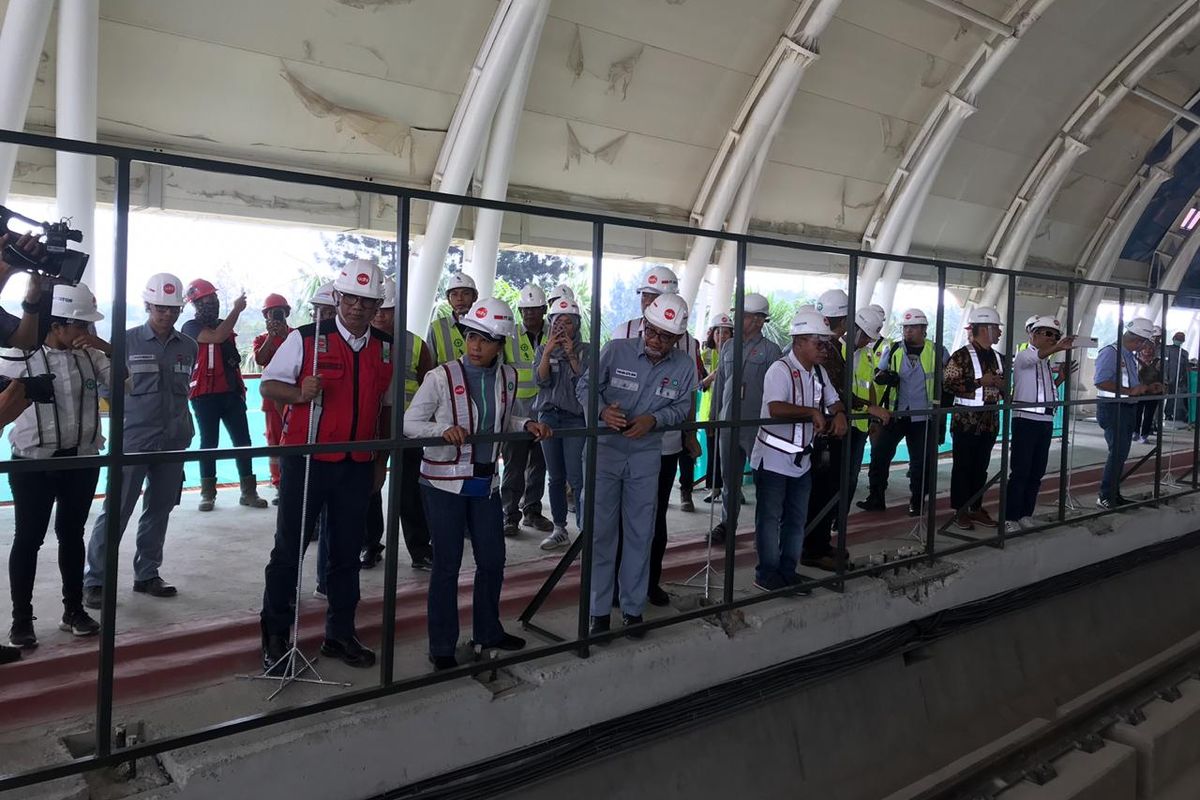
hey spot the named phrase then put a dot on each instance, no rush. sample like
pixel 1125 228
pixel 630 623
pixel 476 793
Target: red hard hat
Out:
pixel 199 288
pixel 275 301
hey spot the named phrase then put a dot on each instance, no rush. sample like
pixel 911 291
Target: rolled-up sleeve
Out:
pixel 285 366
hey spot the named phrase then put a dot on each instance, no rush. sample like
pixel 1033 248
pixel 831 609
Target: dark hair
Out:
pixel 709 342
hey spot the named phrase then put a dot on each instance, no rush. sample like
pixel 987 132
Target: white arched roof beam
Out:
pixel 21 39
pixel 751 132
pixel 1104 248
pixel 891 226
pixel 1011 243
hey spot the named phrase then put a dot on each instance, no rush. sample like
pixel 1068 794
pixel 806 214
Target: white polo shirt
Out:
pixel 789 381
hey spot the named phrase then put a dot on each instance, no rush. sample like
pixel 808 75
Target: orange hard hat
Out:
pixel 199 288
pixel 276 301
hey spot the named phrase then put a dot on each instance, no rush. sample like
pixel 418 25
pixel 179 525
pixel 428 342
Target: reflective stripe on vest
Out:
pixel 448 341
pixel 462 466
pixel 413 360
pixel 1044 383
pixel 864 378
pixel 1120 368
pixel 801 432
pixel 977 400
pixel 896 363
pixel 522 361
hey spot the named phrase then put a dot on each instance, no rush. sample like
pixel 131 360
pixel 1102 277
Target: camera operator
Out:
pixel 67 425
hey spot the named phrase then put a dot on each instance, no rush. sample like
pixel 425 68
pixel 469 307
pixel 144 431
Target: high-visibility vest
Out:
pixel 704 408
pixel 865 362
pixel 894 359
pixel 808 389
pixel 521 358
pixel 412 360
pixel 1126 378
pixel 352 390
pixel 462 465
pixel 1022 346
pixel 449 343
pixel 977 367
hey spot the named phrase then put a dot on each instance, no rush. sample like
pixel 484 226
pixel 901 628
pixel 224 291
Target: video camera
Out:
pixel 59 263
pixel 38 388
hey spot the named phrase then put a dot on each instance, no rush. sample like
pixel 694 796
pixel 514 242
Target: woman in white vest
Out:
pixel 974 374
pixel 68 425
pixel 463 397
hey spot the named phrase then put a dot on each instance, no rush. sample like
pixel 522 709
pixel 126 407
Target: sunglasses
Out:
pixel 651 332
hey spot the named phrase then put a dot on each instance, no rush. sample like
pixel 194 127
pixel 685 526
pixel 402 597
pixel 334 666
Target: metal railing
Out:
pixel 389 684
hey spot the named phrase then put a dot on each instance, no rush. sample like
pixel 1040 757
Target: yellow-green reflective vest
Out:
pixel 449 344
pixel 704 410
pixel 896 362
pixel 413 360
pixel 522 360
pixel 1022 346
pixel 864 378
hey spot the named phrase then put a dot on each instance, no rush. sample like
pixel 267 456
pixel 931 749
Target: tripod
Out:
pixel 705 574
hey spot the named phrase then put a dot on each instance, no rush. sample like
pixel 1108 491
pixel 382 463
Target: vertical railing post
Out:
pixel 734 464
pixel 400 367
pixel 593 426
pixel 1006 399
pixel 114 461
pixel 936 419
pixel 1160 405
pixel 843 510
pixel 1068 410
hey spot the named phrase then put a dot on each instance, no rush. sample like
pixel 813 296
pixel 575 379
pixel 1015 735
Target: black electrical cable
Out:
pixel 510 771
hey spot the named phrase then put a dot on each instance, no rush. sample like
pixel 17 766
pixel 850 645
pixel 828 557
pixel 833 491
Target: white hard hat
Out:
pixel 984 315
pixel 807 307
pixel 389 293
pixel 1157 331
pixel 532 296
pixel 1044 322
pixel 461 280
pixel 880 310
pixel 1029 322
pixel 668 312
pixel 324 295
pixel 564 305
pixel 1141 327
pixel 75 303
pixel 164 289
pixel 490 317
pixel 810 323
pixel 361 278
pixel 914 316
pixel 721 320
pixel 869 322
pixel 833 303
pixel 755 303
pixel 660 280
pixel 560 291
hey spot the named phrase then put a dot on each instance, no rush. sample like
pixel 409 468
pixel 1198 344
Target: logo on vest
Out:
pixel 90 385
pixel 322 344
pixel 460 390
pixel 795 373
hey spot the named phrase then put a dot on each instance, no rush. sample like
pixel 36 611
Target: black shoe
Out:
pixel 796 579
pixel 506 642
pixel 1123 501
pixel 274 649
pixel 685 502
pixel 155 587
pixel 512 529
pixel 718 533
pixel 629 620
pixel 537 522
pixel 21 634
pixel 914 509
pixel 872 504
pixel 770 583
pixel 370 557
pixel 1105 503
pixel 93 596
pixel 423 563
pixel 79 623
pixel 711 497
pixel 826 562
pixel 600 625
pixel 350 651
pixel 443 662
pixel 9 655
pixel 658 597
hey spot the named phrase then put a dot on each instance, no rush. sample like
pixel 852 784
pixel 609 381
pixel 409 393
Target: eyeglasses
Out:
pixel 167 309
pixel 651 332
pixel 1053 335
pixel 365 302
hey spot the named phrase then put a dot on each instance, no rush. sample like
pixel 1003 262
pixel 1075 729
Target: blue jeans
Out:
pixel 564 464
pixel 781 509
pixel 481 518
pixel 1117 420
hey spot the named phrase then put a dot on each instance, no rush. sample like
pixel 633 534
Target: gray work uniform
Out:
pixel 626 483
pixel 758 354
pixel 156 418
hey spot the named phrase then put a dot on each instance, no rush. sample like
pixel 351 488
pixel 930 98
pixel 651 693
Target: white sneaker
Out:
pixel 1028 522
pixel 317 593
pixel 1012 526
pixel 558 539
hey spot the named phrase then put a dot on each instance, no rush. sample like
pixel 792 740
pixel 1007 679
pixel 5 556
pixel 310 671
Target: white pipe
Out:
pixel 1166 105
pixel 971 15
pixel 501 145
pixel 461 162
pixel 75 115
pixel 1175 273
pixel 21 40
pixel 777 95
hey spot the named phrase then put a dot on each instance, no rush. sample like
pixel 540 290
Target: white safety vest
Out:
pixel 72 421
pixel 977 399
pixel 1044 392
pixel 1125 377
pixel 462 465
pixel 807 390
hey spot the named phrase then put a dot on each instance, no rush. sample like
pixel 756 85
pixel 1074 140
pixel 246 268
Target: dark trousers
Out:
pixel 412 511
pixel 1027 461
pixel 715 477
pixel 342 489
pixel 687 473
pixel 481 519
pixel 658 545
pixel 826 485
pixel 883 450
pixel 34 496
pixel 1117 422
pixel 213 410
pixel 1147 410
pixel 524 479
pixel 972 454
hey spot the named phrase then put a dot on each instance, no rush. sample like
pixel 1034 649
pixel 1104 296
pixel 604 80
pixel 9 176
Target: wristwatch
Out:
pixel 30 308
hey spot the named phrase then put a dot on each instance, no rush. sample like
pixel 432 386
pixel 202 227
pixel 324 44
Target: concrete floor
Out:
pixel 216 559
